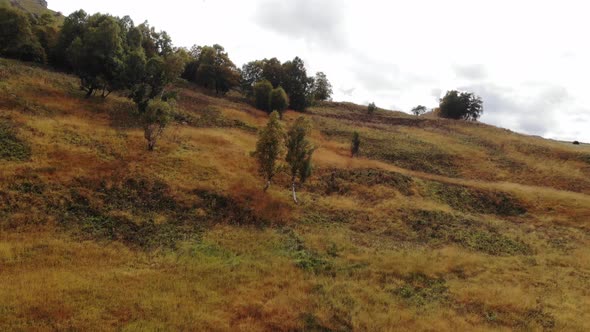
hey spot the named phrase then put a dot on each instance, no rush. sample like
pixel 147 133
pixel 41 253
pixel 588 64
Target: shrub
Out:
pixel 269 148
pixel 262 94
pixel 371 108
pixel 155 119
pixel 279 101
pixel 461 105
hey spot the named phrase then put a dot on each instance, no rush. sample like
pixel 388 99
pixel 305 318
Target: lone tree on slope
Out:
pixel 371 108
pixel 461 105
pixel 153 103
pixel 299 153
pixel 419 110
pixel 156 117
pixel 269 148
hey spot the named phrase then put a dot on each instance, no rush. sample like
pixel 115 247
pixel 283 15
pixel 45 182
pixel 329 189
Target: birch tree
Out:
pixel 269 148
pixel 299 153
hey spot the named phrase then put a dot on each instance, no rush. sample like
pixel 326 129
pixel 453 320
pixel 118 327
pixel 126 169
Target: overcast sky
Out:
pixel 528 60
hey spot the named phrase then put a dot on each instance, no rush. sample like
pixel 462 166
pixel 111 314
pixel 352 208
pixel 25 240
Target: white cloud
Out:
pixel 470 72
pixel 317 22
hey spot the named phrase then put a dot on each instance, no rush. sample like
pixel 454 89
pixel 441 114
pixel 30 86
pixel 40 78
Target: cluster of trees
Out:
pixel 26 37
pixel 112 54
pixel 107 53
pixel 291 77
pixel 296 148
pixel 270 99
pixel 456 105
pixel 211 67
pixel 279 151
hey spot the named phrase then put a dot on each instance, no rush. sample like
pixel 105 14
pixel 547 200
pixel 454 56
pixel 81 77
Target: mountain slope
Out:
pixel 440 223
pixel 34 7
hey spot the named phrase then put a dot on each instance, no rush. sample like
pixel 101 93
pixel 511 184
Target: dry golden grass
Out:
pixel 352 259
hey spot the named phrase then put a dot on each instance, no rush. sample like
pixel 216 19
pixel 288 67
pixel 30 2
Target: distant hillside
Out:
pixel 35 7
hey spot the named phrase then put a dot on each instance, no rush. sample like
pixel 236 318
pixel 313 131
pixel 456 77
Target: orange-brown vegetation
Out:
pixel 438 225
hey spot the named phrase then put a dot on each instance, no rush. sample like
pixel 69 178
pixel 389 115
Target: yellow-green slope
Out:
pixel 439 225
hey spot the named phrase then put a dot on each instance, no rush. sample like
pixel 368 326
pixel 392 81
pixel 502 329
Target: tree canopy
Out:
pixel 17 39
pixel 156 117
pixel 279 101
pixel 322 89
pixel 269 148
pixel 419 110
pixel 211 67
pixel 96 54
pixel 291 76
pixel 299 152
pixel 262 94
pixel 297 84
pixel 461 105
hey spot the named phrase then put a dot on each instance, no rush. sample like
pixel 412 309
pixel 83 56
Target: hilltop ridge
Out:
pixel 35 7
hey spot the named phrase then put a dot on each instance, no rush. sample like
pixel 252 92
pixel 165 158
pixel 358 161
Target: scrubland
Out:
pixel 440 225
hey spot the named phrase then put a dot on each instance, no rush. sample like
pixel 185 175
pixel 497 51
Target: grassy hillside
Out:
pixel 440 225
pixel 35 7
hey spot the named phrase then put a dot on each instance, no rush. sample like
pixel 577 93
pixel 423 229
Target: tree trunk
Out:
pixel 267 185
pixel 294 193
pixel 89 92
pixel 151 145
pixel 150 137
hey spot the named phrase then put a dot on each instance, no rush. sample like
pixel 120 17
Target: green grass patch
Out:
pixel 303 257
pixel 473 200
pixel 397 148
pixel 419 290
pixel 533 319
pixel 221 208
pixel 12 148
pixel 210 117
pixel 438 228
pixel 137 212
pixel 342 181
